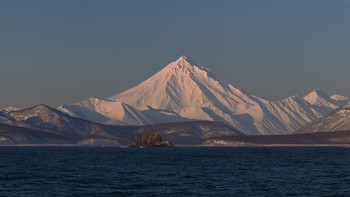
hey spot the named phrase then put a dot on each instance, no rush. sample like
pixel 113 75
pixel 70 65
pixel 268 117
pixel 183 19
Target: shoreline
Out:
pixel 182 146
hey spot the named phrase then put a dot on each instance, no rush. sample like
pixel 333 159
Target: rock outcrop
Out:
pixel 150 140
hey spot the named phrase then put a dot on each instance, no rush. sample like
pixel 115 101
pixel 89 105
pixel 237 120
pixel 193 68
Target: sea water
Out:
pixel 181 171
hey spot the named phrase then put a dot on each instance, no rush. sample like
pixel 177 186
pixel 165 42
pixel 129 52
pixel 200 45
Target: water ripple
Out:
pixel 94 171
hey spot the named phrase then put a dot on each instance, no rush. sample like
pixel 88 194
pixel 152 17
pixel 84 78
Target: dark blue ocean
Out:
pixel 182 171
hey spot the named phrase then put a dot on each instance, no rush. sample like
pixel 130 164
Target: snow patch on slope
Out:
pixel 10 108
pixel 339 97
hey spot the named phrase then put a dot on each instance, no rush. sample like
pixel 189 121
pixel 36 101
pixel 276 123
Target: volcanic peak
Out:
pixel 184 65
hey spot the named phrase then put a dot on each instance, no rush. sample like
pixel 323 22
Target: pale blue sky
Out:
pixel 61 52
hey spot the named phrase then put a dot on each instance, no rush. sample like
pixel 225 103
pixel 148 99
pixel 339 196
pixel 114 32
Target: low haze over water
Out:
pixel 240 171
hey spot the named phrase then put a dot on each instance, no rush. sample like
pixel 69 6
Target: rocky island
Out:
pixel 150 140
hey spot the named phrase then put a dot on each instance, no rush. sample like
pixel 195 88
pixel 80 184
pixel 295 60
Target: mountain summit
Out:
pixel 183 63
pixel 183 86
pixel 185 91
pixel 319 98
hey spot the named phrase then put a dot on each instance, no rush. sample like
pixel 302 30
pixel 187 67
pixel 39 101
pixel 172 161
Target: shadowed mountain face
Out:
pixel 4 119
pixel 13 135
pixel 184 91
pixel 44 121
pixel 44 125
pixel 44 117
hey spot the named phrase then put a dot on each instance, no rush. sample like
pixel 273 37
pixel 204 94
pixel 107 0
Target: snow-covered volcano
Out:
pixel 183 86
pixel 185 91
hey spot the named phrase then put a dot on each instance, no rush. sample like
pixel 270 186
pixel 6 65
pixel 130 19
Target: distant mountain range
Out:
pixel 184 91
pixel 44 125
pixel 185 104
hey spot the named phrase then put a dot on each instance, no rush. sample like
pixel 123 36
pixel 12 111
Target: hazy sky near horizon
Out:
pixel 62 52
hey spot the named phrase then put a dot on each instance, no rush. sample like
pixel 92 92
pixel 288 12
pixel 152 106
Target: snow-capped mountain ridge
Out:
pixel 45 117
pixel 184 91
pixel 44 125
pixel 181 85
pixel 339 97
pixel 324 103
pixel 118 113
pixel 337 120
pixel 319 98
pixel 184 64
